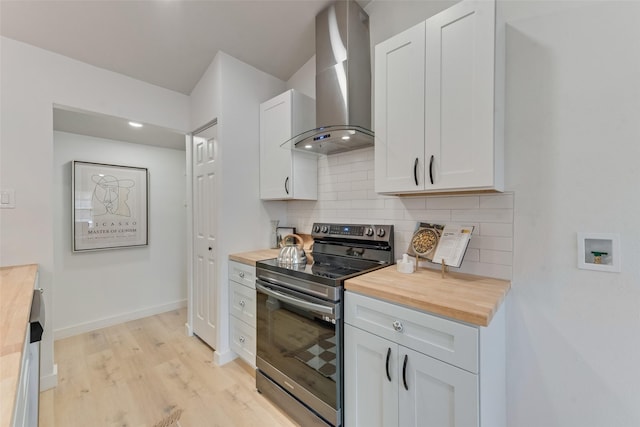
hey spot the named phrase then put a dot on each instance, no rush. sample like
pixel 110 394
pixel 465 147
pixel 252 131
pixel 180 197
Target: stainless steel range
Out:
pixel 299 319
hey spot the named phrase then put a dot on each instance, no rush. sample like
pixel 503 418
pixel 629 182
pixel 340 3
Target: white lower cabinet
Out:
pixel 388 383
pixel 242 309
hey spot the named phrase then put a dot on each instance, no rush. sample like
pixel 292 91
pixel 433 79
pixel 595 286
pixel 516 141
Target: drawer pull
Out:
pixel 388 356
pixel 242 340
pixel 241 274
pixel 242 303
pixel 397 325
pixel 404 372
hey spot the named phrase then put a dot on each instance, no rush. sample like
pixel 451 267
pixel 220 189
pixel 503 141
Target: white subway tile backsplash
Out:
pixel 482 215
pixel 414 202
pixel 356 156
pixel 362 185
pixel 496 257
pixel 352 195
pixel 497 201
pixel 472 255
pixel 453 202
pixel 336 205
pixel 357 175
pixel 327 195
pixel 496 229
pixel 346 193
pixel 490 242
pixel 368 204
pixel 325 178
pixel 432 216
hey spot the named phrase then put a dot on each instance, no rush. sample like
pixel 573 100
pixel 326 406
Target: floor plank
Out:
pixel 137 373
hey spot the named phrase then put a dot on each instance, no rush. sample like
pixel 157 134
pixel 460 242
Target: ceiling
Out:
pixel 114 128
pixel 168 43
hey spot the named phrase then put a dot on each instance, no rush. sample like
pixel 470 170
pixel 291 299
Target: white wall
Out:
pixel 232 91
pixel 572 150
pixel 572 144
pixel 304 80
pixel 32 80
pixel 96 289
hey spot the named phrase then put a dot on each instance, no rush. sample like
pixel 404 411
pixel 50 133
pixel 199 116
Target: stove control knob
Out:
pixel 381 232
pixel 325 229
pixel 316 228
pixel 369 232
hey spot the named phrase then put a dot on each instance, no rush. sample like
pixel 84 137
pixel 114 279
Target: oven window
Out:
pixel 301 344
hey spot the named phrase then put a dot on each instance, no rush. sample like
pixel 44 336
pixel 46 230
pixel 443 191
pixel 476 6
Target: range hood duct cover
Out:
pixel 343 82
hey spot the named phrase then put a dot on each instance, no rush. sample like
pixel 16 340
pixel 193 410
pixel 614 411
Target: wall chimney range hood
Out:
pixel 343 82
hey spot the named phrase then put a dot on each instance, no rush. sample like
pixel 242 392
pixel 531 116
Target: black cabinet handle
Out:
pixel 415 171
pixel 286 185
pixel 431 169
pixel 388 356
pixel 404 371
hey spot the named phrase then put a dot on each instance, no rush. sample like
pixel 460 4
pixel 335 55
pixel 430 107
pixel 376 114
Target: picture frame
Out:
pixel 281 232
pixel 110 206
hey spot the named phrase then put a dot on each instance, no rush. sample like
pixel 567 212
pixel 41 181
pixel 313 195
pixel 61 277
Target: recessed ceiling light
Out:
pixel 346 137
pixel 307 146
pixel 135 124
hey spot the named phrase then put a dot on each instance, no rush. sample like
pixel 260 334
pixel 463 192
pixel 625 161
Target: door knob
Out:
pixel 210 248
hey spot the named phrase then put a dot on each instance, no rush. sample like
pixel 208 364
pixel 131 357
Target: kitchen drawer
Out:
pixel 446 340
pixel 243 303
pixel 242 273
pixel 243 340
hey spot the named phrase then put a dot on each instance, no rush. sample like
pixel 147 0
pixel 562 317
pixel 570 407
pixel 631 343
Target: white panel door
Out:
pixel 460 46
pixel 434 393
pixel 204 223
pixel 276 180
pixel 399 111
pixel 371 397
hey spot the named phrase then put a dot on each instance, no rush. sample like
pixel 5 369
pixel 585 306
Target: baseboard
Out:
pixel 221 358
pixel 115 320
pixel 49 381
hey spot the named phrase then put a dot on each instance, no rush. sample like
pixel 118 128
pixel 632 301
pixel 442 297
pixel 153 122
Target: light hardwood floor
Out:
pixel 137 373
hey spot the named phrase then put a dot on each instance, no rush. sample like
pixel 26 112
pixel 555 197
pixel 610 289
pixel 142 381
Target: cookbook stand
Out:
pixel 445 268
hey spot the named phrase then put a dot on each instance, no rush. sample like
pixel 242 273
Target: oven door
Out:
pixel 299 346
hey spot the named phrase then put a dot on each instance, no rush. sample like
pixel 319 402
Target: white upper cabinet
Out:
pixel 439 112
pixel 285 173
pixel 399 111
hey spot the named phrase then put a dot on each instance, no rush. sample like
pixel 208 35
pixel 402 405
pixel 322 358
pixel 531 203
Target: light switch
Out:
pixel 7 199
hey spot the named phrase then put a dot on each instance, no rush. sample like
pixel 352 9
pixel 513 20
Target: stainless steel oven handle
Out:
pixel 295 301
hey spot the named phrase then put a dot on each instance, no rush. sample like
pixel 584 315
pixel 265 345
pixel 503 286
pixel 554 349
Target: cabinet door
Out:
pixel 433 393
pixel 399 112
pixel 275 162
pixel 371 399
pixel 460 47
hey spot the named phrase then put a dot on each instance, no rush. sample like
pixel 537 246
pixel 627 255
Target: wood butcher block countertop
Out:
pixel 16 292
pixel 471 299
pixel 250 258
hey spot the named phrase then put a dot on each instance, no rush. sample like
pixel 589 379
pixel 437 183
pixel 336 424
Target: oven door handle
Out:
pixel 295 301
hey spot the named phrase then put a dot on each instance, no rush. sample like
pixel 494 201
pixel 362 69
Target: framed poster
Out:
pixel 110 206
